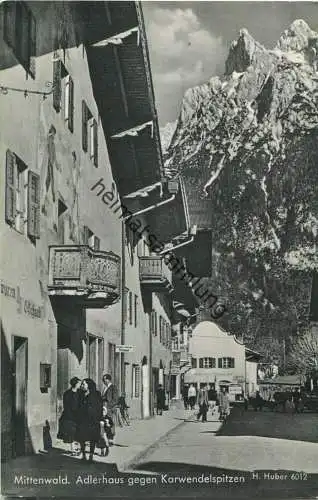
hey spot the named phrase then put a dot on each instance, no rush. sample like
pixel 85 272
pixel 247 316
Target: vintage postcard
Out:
pixel 159 263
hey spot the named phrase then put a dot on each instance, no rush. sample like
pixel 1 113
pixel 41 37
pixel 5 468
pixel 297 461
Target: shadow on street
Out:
pixel 296 427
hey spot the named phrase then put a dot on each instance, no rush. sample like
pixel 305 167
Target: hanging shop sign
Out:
pixel 125 348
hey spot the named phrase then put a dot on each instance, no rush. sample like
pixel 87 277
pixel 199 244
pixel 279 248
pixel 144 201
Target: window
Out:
pixel 22 200
pixel 20 33
pixel 161 334
pixel 153 321
pixel 135 381
pixel 89 134
pixel 226 363
pixel 91 239
pixel 193 362
pixel 207 363
pixel 130 306
pixel 63 92
pixel 62 208
pixel 136 310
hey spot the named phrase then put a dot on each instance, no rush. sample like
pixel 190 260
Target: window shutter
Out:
pixel 95 128
pixel 10 23
pixel 96 243
pixel 32 25
pixel 220 364
pixel 85 235
pixel 193 362
pixel 33 205
pixel 71 105
pixel 10 200
pixel 200 362
pixel 57 87
pixel 84 127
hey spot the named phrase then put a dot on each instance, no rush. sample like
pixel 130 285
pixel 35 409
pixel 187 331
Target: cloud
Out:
pixel 182 52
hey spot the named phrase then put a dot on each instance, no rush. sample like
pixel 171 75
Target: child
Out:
pixel 123 408
pixel 106 433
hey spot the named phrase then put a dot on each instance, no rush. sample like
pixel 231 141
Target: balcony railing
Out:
pixel 91 277
pixel 153 272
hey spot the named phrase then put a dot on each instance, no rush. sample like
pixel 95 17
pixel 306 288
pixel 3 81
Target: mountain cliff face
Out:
pixel 246 144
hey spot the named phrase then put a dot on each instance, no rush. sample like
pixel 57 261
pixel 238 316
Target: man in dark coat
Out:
pixel 161 399
pixel 110 396
pixel 89 417
pixel 185 396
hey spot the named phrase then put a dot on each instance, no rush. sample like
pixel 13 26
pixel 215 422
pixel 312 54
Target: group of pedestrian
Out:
pixel 206 398
pixel 88 416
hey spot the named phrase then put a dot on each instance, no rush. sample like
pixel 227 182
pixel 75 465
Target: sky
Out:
pixel 189 41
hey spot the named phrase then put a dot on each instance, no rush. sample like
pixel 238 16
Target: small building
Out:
pixel 219 359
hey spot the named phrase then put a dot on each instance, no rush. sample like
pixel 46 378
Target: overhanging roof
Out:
pixel 123 90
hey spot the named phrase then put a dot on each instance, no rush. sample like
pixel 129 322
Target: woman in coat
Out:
pixel 89 416
pixel 68 421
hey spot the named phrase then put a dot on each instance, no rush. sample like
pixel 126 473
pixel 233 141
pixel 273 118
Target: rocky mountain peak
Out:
pixel 242 52
pixel 246 147
pixel 298 37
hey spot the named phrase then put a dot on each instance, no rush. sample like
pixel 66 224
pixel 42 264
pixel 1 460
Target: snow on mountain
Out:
pixel 246 145
pixel 166 133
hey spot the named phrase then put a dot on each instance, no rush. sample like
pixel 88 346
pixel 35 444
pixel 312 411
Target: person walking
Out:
pixel 185 396
pixel 224 404
pixel 203 403
pixel 109 396
pixel 161 399
pixel 212 398
pixel 192 394
pixel 69 418
pixel 89 417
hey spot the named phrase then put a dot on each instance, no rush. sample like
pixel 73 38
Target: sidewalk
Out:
pixel 130 443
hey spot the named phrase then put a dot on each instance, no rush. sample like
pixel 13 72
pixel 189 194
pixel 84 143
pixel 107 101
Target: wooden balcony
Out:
pixel 155 274
pixel 88 277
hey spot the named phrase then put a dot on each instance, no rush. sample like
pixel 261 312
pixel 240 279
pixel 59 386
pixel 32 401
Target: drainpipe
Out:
pixel 123 308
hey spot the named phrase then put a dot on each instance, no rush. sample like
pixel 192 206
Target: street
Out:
pixel 262 454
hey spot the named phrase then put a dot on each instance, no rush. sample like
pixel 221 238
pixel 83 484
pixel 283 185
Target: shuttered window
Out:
pixel 33 205
pixel 193 362
pixel 136 311
pixel 84 126
pixel 95 143
pixel 136 379
pixel 69 102
pixel 57 84
pixel 22 200
pixel 89 134
pixel 130 309
pixel 10 199
pixel 226 363
pixel 207 363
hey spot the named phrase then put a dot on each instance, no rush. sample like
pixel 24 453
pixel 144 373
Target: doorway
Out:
pixel 19 428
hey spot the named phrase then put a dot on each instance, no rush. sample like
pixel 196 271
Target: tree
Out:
pixel 303 355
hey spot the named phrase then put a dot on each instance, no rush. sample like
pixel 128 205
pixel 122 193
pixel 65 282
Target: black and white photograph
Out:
pixel 159 249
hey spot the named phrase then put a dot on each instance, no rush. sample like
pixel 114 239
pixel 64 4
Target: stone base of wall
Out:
pixel 34 441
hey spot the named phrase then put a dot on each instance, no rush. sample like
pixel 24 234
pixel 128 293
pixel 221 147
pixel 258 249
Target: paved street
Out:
pixel 254 454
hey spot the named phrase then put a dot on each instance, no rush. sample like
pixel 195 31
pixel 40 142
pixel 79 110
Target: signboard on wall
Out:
pixel 125 348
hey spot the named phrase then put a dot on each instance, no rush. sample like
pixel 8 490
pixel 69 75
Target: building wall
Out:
pixel 27 310
pixel 209 341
